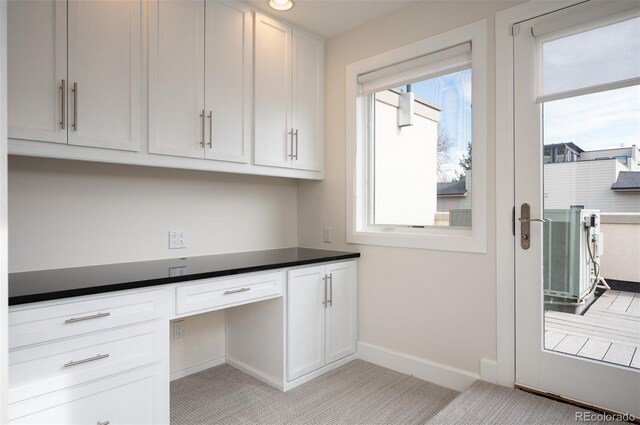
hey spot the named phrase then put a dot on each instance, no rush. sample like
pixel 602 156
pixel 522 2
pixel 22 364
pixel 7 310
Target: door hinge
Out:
pixel 514 30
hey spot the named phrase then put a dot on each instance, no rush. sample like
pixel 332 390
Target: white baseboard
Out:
pixel 269 380
pixel 197 368
pixel 438 373
pixel 311 375
pixel 489 371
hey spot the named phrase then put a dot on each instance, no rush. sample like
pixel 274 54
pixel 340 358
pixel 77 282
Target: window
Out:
pixel 417 144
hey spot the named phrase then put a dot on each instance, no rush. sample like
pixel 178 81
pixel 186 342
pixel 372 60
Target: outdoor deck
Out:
pixel 608 331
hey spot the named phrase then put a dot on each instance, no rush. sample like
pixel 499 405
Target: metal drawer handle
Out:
pixel 330 290
pixel 235 291
pixel 103 423
pixel 63 93
pixel 291 133
pixel 75 106
pixel 296 155
pixel 210 116
pixel 90 359
pixel 93 316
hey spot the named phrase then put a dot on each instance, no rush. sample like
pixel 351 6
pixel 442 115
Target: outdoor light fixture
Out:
pixel 281 4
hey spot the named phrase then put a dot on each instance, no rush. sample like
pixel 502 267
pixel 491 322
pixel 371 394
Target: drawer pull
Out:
pixel 93 316
pixel 90 359
pixel 235 291
pixel 103 423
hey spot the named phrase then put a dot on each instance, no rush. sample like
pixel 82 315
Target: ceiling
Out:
pixel 328 18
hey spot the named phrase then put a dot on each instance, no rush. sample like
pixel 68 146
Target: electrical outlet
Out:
pixel 327 234
pixel 177 271
pixel 178 329
pixel 177 239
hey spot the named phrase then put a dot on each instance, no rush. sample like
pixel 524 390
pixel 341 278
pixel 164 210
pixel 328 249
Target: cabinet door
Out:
pixel 105 53
pixel 272 99
pixel 307 109
pixel 305 321
pixel 341 312
pixel 176 77
pixel 228 74
pixel 37 67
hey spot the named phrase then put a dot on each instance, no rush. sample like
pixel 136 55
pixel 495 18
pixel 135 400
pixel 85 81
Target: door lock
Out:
pixel 525 225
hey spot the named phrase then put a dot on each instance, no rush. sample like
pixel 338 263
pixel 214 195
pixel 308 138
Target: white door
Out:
pixel 341 311
pixel 37 70
pixel 228 75
pixel 273 136
pixel 308 92
pixel 306 294
pixel 104 89
pixel 576 100
pixel 176 78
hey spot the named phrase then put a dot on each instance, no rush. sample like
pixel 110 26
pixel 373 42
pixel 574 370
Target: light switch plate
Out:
pixel 327 234
pixel 177 239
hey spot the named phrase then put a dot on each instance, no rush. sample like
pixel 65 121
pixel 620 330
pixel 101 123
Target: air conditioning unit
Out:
pixel 569 270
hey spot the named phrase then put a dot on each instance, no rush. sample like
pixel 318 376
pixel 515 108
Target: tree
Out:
pixel 444 145
pixel 465 163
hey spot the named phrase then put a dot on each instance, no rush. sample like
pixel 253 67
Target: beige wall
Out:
pixel 438 306
pixel 70 213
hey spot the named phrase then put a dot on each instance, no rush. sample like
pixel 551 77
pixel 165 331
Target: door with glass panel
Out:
pixel 577 204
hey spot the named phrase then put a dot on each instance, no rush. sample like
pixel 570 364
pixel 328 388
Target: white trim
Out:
pixel 489 370
pixel 312 375
pixel 197 368
pixel 437 373
pixel 255 373
pixel 505 332
pixel 445 239
pixel 4 267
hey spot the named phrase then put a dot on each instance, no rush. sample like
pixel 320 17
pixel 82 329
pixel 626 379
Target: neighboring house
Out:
pixel 455 195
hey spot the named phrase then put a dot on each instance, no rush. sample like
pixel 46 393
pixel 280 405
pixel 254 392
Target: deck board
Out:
pixel 620 354
pixel 594 349
pixel 571 344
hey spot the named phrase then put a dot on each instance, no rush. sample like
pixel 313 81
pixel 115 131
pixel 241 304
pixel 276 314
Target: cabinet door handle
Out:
pixel 103 423
pixel 63 94
pixel 296 134
pixel 290 133
pixel 93 316
pixel 75 106
pixel 210 129
pixel 235 291
pixel 325 302
pixel 330 290
pixel 90 359
pixel 202 136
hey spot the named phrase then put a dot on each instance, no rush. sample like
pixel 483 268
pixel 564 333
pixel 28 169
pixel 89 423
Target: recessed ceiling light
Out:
pixel 281 4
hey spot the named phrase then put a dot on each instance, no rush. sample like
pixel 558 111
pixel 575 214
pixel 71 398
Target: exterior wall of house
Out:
pixel 587 183
pixel 621 255
pixel 632 153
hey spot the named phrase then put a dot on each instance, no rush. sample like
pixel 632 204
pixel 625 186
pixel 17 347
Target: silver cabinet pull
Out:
pixel 90 359
pixel 296 134
pixel 202 120
pixel 93 316
pixel 324 303
pixel 103 423
pixel 210 116
pixel 63 93
pixel 75 106
pixel 235 291
pixel 330 290
pixel 290 133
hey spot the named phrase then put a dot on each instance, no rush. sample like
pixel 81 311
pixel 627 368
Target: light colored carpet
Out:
pixel 356 393
pixel 485 403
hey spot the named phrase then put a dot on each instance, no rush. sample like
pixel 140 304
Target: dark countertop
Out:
pixel 42 285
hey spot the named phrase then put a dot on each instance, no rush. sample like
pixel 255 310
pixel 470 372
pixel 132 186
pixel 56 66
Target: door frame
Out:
pixel 4 342
pixel 505 179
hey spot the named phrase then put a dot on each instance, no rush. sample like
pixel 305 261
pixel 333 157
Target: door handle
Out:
pixel 291 133
pixel 210 116
pixel 330 301
pixel 525 225
pixel 75 106
pixel 203 131
pixel 325 302
pixel 63 93
pixel 296 155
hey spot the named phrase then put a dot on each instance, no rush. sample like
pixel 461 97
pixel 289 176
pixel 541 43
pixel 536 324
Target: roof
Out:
pixel 458 188
pixel 627 180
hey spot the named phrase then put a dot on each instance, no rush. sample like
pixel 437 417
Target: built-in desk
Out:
pixel 91 344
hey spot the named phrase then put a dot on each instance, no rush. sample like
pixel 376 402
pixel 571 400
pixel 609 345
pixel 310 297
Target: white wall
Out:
pixel 70 213
pixel 434 305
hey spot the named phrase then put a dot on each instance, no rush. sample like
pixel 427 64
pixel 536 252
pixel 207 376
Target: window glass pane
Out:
pixel 421 165
pixel 599 56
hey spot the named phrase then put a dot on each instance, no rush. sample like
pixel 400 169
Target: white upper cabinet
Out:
pixel 104 89
pixel 200 79
pixel 289 75
pixel 308 92
pixel 37 70
pixel 272 100
pixel 176 78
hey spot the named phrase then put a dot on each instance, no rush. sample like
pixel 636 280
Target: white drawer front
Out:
pixel 131 398
pixel 211 294
pixel 47 321
pixel 39 369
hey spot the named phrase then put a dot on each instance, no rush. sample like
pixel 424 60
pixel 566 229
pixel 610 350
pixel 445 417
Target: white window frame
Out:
pixel 432 237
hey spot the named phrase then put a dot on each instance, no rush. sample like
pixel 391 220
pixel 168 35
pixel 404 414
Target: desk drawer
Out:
pixel 40 369
pixel 47 321
pixel 132 398
pixel 212 294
